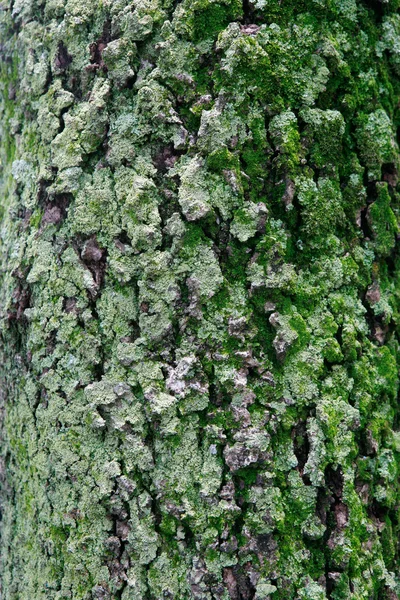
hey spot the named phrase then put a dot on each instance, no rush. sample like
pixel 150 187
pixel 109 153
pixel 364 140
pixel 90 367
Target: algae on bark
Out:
pixel 199 299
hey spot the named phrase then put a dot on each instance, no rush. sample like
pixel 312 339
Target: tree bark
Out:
pixel 199 297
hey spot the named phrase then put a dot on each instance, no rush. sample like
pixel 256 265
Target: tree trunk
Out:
pixel 199 294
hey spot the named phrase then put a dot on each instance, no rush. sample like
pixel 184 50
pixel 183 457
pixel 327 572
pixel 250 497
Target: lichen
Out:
pixel 199 300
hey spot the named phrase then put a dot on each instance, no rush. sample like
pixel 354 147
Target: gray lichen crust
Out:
pixel 199 292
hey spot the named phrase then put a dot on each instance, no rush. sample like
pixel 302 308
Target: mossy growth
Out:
pixel 199 307
pixel 383 221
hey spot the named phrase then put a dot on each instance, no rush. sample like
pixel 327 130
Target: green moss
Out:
pixel 383 221
pixel 284 133
pixel 321 205
pixel 206 18
pixel 200 353
pixel 324 134
pixel 222 159
pixel 376 142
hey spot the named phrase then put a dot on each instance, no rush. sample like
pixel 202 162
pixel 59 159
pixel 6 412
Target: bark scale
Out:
pixel 199 299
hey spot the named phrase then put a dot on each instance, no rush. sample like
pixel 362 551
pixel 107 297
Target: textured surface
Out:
pixel 199 293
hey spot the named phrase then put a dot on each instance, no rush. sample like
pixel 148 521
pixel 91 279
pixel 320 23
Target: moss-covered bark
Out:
pixel 199 293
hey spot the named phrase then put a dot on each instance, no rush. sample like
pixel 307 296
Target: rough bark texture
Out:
pixel 199 293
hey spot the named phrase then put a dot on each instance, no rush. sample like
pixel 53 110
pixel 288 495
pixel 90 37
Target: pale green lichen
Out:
pixel 199 300
pixel 376 142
